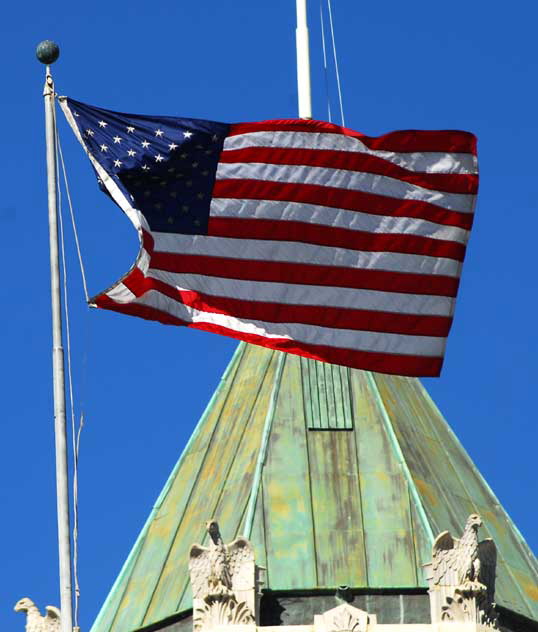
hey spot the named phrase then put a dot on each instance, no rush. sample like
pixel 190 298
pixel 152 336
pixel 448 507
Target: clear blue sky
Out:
pixel 141 385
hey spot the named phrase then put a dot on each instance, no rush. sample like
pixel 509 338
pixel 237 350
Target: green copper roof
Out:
pixel 338 476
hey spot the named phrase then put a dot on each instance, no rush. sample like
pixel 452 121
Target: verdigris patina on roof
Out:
pixel 337 476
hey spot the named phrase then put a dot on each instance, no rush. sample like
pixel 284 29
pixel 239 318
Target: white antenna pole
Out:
pixel 303 62
pixel 47 53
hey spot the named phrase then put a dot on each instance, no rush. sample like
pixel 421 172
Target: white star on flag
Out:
pixel 102 124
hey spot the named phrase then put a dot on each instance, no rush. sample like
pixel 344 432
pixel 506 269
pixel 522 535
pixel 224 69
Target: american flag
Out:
pixel 297 235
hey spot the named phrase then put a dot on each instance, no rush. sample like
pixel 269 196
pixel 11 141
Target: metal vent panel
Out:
pixel 326 394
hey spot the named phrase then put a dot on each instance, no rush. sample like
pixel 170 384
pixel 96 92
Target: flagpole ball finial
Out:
pixel 47 52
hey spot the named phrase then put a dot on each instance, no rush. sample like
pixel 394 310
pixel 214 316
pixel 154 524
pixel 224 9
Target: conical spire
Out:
pixel 338 476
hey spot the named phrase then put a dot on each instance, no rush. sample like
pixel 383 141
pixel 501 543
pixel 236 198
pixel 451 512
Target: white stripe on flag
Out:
pixel 296 252
pixel 327 216
pixel 314 295
pixel 420 162
pixel 121 293
pixel 347 180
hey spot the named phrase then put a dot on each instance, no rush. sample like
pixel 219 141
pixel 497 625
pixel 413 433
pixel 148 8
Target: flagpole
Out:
pixel 47 53
pixel 303 62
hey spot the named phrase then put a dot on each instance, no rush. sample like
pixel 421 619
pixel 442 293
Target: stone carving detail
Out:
pixel 35 622
pixel 225 581
pixel 344 618
pixel 470 605
pixel 221 609
pixel 461 577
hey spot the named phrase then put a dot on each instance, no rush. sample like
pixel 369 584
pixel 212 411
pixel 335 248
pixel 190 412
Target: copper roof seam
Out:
pixel 260 386
pixel 399 455
pixel 349 408
pixel 243 513
pixel 356 434
pixel 435 477
pixel 264 444
pixel 311 503
pixel 524 548
pixel 331 399
pixel 443 447
pixel 264 532
pixel 229 469
pixel 318 391
pixel 413 540
pixel 137 547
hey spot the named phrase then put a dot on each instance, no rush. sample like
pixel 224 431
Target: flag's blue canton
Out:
pixel 165 166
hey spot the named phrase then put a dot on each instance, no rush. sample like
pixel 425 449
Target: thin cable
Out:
pixel 76 451
pixel 336 63
pixel 75 435
pixel 325 61
pixel 74 432
pixel 73 223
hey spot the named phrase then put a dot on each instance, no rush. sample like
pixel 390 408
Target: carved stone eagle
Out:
pixel 34 621
pixel 465 561
pixel 220 568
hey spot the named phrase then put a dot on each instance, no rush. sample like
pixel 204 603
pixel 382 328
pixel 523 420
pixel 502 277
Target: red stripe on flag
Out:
pixel 320 235
pixel 148 243
pixel 352 161
pixel 136 309
pixel 305 274
pixel 401 141
pixel 335 317
pixel 341 199
pixel 380 362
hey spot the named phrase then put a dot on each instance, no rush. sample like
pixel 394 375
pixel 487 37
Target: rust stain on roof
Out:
pixel 426 491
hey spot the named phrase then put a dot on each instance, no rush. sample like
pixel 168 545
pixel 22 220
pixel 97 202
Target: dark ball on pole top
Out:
pixel 47 52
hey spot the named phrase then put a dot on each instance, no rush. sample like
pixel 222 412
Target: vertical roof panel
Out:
pixel 336 506
pixel 290 551
pixel 388 527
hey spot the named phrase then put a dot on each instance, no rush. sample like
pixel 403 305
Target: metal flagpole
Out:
pixel 47 53
pixel 303 62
